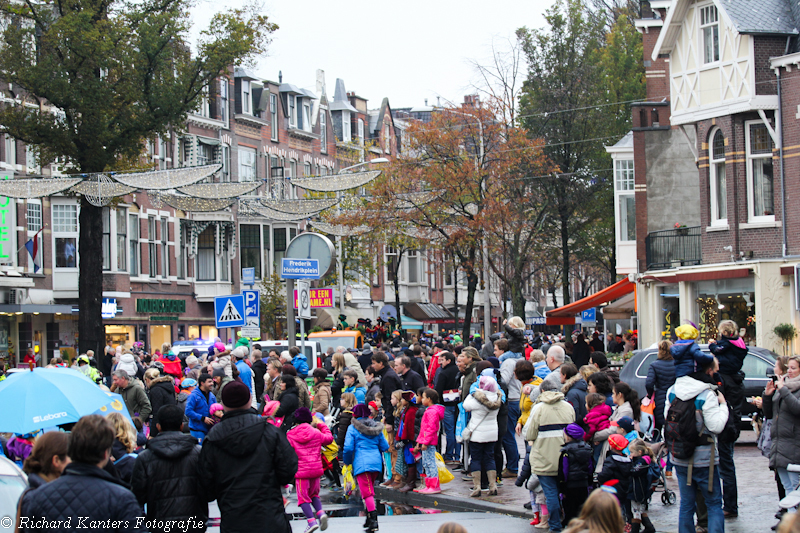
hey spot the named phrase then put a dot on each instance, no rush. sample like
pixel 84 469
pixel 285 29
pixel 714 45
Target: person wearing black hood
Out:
pixel 581 351
pixel 365 359
pixel 244 462
pixel 161 392
pixel 165 476
pixel 730 351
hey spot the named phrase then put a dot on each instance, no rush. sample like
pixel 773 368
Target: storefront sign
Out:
pixel 109 308
pixel 163 318
pixel 155 305
pixel 319 298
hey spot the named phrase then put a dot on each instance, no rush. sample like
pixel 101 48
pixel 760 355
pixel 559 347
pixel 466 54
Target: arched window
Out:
pixel 718 188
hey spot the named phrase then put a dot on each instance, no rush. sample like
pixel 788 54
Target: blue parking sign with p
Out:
pixel 252 308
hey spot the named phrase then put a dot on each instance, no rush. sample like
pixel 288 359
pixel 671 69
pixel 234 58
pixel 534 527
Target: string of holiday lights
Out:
pixel 194 204
pixel 219 190
pixel 100 190
pixel 336 182
pixel 339 230
pixel 256 209
pixel 30 188
pixel 172 178
pixel 300 206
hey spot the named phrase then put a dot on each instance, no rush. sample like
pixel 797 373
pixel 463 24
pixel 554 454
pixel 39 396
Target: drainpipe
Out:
pixel 783 174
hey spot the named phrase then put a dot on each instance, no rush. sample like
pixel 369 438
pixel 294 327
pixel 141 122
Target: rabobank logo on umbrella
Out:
pixel 48 417
pixel 299 268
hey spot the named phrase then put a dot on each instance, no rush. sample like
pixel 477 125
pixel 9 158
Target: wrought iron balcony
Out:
pixel 673 248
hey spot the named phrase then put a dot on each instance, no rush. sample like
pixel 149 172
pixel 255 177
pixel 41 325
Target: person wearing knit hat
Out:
pixel 617 469
pixel 244 462
pixel 686 353
pixel 307 437
pixel 575 469
pixel 374 410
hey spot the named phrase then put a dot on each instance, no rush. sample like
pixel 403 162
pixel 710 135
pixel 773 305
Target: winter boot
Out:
pixel 476 484
pixel 636 526
pixel 410 479
pixel 389 482
pixel 431 486
pixel 535 518
pixel 544 522
pixel 492 475
pixel 372 521
pixel 648 525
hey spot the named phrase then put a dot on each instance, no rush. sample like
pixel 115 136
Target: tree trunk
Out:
pixel 565 259
pixel 472 285
pixel 91 334
pixel 455 294
pixel 397 300
pixel 517 298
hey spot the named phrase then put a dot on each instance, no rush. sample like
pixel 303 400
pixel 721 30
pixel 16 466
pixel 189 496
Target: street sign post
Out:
pixel 252 314
pixel 303 311
pixel 589 317
pixel 229 311
pixel 249 276
pixel 299 268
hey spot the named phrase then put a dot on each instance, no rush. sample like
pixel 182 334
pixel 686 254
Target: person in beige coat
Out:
pixel 322 392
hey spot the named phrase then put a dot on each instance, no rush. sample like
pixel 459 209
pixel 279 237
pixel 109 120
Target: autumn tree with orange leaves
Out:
pixel 463 180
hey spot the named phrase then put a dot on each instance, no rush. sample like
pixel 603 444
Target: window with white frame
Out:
pixel 625 200
pixel 122 238
pixel 204 109
pixel 65 233
pixel 133 256
pixel 206 255
pixel 346 126
pixel 323 131
pixel 413 266
pixel 361 132
pixel 180 244
pixel 247 164
pixel 387 139
pixel 205 154
pixel 11 150
pixel 717 185
pixel 391 264
pixel 33 217
pixel 246 101
pixel 709 26
pixel 307 169
pixel 292 113
pixel 273 116
pixel 292 168
pixel 152 245
pixel 164 247
pixel 760 184
pixel 223 99
pixel 250 247
pixel 226 162
pixel 306 115
pixel 31 160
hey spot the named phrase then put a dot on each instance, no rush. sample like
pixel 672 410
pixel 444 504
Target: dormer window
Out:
pixel 246 100
pixel 709 25
pixel 292 113
pixel 307 116
pixel 346 126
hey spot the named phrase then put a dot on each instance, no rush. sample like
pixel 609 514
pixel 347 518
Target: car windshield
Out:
pixel 335 342
pixel 10 489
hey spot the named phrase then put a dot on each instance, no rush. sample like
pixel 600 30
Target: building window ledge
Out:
pixel 760 225
pixel 205 122
pixel 721 227
pixel 250 119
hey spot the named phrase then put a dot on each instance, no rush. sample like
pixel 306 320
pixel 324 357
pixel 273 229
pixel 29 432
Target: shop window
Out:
pixel 208 333
pixel 206 257
pixel 122 239
pixel 250 247
pixel 134 245
pixel 759 172
pixel 718 187
pixel 65 232
pixel 194 333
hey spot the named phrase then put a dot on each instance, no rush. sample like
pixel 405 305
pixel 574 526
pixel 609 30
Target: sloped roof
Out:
pixel 340 101
pixel 761 16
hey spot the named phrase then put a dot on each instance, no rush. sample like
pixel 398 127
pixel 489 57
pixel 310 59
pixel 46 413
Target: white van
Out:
pixel 313 351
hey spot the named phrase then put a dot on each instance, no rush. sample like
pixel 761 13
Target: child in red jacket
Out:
pixel 307 437
pixel 406 438
pixel 428 438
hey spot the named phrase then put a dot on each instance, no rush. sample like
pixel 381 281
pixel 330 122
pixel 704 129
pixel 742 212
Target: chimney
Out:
pixel 437 102
pixel 426 102
pixel 280 76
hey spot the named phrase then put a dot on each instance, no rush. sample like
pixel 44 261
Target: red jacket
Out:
pixel 409 418
pixel 597 420
pixel 307 442
pixel 173 368
pixel 432 368
pixel 429 429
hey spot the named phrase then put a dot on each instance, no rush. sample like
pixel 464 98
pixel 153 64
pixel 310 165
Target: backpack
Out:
pixel 680 429
pixel 730 433
pixel 653 476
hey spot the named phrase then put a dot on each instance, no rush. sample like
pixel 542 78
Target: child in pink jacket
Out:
pixel 428 438
pixel 307 437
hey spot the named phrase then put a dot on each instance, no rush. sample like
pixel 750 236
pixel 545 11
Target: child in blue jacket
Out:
pixel 363 449
pixel 686 352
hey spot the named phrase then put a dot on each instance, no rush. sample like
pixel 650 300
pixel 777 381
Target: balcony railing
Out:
pixel 673 248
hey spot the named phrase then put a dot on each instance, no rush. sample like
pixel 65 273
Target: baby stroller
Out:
pixel 660 450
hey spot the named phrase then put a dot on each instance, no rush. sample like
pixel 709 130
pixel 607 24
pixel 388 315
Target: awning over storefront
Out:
pixel 428 313
pixel 620 309
pixel 34 308
pixel 565 315
pixel 410 323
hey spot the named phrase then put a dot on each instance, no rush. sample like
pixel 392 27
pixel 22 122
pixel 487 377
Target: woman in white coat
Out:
pixel 483 406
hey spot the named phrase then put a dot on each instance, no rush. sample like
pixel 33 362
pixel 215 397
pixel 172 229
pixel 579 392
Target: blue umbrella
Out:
pixel 115 404
pixel 47 397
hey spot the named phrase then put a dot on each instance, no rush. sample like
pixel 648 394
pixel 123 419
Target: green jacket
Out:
pixel 136 401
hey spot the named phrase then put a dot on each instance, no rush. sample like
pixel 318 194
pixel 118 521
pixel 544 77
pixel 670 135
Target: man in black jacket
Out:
pixel 447 387
pixel 165 476
pixel 85 495
pixel 410 379
pixel 259 369
pixel 244 462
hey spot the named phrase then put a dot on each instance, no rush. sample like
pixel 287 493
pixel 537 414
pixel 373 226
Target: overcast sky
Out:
pixel 407 50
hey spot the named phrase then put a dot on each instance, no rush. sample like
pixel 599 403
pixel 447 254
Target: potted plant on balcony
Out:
pixel 787 332
pixel 681 228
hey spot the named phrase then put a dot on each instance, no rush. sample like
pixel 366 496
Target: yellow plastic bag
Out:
pixel 348 481
pixel 445 476
pixel 330 451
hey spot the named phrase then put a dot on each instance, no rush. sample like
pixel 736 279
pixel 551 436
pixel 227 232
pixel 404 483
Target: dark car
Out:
pixel 758 366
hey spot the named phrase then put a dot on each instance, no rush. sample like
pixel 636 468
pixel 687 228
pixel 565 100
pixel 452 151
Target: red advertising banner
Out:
pixel 319 298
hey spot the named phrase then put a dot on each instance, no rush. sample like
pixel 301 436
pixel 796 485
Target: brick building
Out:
pixel 702 180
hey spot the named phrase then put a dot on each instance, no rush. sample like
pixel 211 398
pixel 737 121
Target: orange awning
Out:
pixel 615 291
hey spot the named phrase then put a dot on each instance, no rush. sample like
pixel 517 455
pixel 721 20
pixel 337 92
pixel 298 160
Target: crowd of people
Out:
pixel 243 428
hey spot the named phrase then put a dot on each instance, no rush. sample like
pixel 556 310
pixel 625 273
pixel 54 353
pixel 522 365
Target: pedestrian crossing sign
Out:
pixel 229 311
